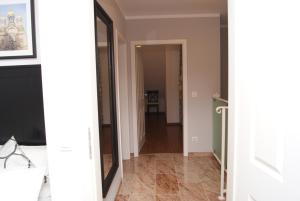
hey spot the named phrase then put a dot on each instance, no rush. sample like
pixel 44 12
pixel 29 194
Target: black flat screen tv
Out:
pixel 21 105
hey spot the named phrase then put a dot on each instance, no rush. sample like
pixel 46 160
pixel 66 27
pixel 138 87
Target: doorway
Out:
pixel 140 99
pixel 161 85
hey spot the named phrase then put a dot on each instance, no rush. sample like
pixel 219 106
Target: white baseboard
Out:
pixel 217 158
pixel 219 161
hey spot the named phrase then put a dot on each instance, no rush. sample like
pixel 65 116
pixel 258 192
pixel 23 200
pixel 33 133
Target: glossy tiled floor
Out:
pixel 170 177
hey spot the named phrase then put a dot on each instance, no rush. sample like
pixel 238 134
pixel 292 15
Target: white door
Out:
pixel 264 149
pixel 140 98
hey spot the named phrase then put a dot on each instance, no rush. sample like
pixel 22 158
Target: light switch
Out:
pixel 194 94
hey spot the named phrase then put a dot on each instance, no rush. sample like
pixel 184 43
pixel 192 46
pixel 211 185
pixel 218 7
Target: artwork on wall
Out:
pixel 17 29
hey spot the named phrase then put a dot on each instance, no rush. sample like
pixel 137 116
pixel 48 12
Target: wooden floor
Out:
pixel 160 137
pixel 106 141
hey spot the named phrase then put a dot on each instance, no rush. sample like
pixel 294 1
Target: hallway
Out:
pixel 160 137
pixel 170 177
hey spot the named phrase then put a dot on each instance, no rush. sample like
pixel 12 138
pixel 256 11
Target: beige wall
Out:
pixel 101 32
pixel 224 62
pixel 105 96
pixel 203 49
pixel 153 58
pixel 172 83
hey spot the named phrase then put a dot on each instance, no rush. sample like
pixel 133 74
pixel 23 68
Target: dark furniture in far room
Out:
pixel 153 97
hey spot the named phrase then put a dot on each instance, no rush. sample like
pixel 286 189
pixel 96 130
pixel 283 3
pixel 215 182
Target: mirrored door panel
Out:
pixel 104 93
pixel 106 97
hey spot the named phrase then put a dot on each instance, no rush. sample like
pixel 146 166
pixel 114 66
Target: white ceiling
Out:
pixel 172 7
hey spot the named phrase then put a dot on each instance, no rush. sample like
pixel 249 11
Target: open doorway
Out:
pixel 161 83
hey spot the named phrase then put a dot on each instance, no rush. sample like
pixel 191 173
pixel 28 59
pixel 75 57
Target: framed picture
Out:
pixel 17 29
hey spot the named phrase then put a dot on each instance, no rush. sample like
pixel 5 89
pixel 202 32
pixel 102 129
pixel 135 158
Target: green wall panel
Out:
pixel 217 128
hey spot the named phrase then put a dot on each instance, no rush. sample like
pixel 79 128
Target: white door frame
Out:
pixel 124 137
pixel 232 121
pixel 118 36
pixel 183 43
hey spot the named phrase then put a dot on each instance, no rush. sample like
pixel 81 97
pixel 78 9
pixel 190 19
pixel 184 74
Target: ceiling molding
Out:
pixel 198 15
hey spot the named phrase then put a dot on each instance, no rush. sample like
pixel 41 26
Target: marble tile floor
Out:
pixel 170 177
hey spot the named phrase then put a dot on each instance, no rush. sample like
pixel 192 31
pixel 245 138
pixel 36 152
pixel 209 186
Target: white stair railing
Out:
pixel 222 110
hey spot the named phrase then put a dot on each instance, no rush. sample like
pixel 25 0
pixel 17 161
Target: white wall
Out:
pixel 203 51
pixel 69 86
pixel 123 90
pixel 154 63
pixel 70 104
pixel 172 83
